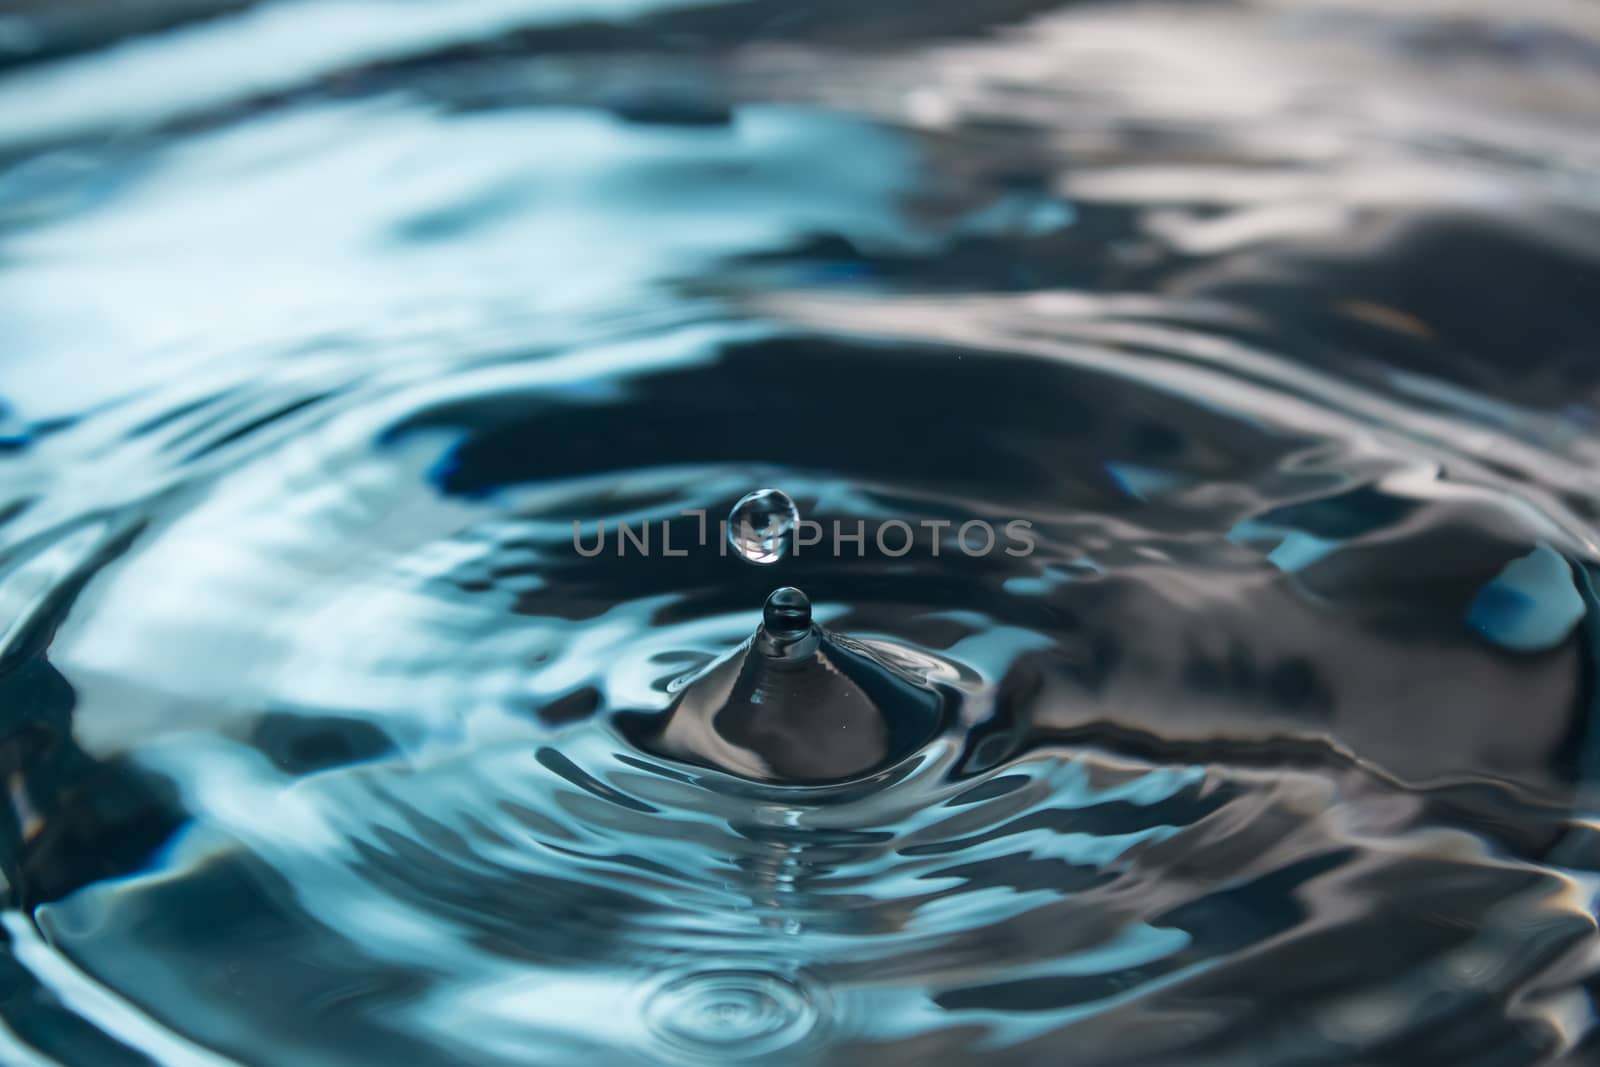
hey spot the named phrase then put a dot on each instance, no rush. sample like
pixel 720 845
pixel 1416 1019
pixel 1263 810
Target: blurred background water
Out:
pixel 325 320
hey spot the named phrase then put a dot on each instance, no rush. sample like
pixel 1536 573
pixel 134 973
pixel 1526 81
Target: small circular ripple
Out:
pixel 741 1014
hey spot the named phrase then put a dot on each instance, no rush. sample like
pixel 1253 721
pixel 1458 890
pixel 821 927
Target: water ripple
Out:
pixel 325 741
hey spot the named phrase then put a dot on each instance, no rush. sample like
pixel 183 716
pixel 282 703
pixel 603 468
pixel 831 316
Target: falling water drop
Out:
pixel 761 524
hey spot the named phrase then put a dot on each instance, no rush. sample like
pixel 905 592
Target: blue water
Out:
pixel 336 333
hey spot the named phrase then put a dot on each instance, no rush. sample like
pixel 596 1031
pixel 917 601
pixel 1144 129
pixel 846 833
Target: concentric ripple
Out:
pixel 731 1014
pixel 1198 399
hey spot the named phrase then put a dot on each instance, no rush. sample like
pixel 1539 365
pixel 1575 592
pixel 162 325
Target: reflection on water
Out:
pixel 335 328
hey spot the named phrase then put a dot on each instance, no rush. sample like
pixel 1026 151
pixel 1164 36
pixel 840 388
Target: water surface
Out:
pixel 325 321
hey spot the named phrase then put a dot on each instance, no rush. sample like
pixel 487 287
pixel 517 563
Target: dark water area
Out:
pixel 1194 407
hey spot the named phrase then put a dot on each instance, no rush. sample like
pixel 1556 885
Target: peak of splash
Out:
pixel 796 704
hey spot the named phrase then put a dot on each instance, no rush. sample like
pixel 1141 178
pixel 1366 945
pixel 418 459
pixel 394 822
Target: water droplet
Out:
pixel 787 613
pixel 761 524
pixel 786 631
pixel 730 1014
